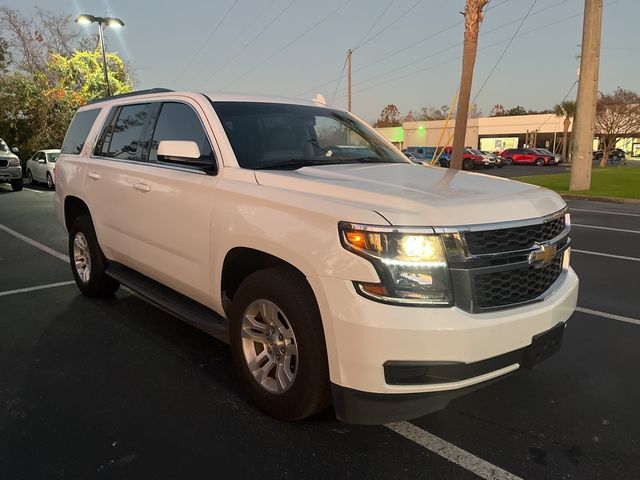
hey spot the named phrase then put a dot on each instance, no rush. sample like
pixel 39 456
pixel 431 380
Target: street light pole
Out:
pixel 102 23
pixel 104 58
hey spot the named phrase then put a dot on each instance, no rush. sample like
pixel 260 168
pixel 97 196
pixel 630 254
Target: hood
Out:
pixel 415 195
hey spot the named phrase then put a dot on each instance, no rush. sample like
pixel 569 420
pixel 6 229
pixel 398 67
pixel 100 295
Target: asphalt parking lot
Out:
pixel 117 388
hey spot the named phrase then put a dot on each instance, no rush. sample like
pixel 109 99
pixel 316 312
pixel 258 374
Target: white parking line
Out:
pixel 454 454
pixel 605 228
pixel 610 255
pixel 33 289
pixel 611 316
pixel 32 242
pixel 602 211
pixel 35 191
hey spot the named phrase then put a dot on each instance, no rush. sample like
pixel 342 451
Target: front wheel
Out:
pixel 16 184
pixel 50 184
pixel 467 164
pixel 88 263
pixel 539 162
pixel 30 177
pixel 277 344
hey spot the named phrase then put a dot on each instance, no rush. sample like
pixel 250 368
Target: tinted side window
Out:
pixel 121 137
pixel 78 131
pixel 178 121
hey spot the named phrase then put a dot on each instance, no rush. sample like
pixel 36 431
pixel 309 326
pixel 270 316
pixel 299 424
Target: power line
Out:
pixel 515 34
pixel 561 102
pixel 246 45
pixel 430 67
pixel 364 37
pixel 280 50
pixel 456 45
pixel 411 45
pixel 215 29
pixel 390 24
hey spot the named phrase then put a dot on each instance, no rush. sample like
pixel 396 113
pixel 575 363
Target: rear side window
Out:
pixel 178 121
pixel 78 131
pixel 121 137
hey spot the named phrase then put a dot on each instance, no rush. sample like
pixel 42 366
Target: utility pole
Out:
pixel 583 125
pixel 349 52
pixel 473 14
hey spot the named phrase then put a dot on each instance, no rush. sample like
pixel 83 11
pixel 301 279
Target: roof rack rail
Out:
pixel 130 94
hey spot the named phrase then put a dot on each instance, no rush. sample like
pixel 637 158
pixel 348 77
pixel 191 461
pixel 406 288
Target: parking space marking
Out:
pixel 611 316
pixel 624 230
pixel 450 452
pixel 34 191
pixel 605 212
pixel 610 255
pixel 39 287
pixel 30 241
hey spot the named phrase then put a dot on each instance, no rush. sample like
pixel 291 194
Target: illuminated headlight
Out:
pixel 412 266
pixel 14 162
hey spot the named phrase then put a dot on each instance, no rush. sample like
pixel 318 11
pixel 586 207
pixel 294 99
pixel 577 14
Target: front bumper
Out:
pixel 10 173
pixel 362 336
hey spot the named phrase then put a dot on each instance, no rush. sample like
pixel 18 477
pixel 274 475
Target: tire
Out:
pixel 50 184
pixel 30 177
pixel 296 337
pixel 17 184
pixel 539 162
pixel 90 276
pixel 467 164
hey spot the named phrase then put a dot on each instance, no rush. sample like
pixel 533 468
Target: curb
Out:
pixel 593 198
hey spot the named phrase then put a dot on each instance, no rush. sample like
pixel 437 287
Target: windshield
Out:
pixel 278 135
pixel 474 151
pixel 3 146
pixel 544 151
pixel 52 157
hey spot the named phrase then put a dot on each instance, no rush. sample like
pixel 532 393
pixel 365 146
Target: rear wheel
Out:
pixel 88 263
pixel 467 164
pixel 49 181
pixel 16 184
pixel 539 162
pixel 278 346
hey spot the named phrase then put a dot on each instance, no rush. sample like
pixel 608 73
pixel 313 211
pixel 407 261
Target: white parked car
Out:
pixel 41 167
pixel 336 274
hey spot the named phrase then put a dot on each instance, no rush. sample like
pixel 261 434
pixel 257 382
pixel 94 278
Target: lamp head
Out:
pixel 85 19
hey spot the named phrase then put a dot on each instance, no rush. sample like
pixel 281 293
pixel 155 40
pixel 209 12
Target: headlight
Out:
pixel 412 266
pixel 14 162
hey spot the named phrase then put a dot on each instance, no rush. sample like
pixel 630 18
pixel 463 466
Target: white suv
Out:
pixel 336 269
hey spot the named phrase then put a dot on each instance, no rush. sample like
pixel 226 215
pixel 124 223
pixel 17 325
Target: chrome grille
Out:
pixel 510 239
pixel 511 287
pixel 505 265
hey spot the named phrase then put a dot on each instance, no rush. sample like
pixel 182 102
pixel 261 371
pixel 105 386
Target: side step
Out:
pixel 173 302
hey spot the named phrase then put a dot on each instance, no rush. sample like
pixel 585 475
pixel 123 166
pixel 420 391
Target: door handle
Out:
pixel 93 175
pixel 143 187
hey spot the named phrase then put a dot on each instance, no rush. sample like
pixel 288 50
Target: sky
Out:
pixel 406 52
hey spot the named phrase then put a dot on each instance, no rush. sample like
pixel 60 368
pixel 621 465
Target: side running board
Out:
pixel 173 302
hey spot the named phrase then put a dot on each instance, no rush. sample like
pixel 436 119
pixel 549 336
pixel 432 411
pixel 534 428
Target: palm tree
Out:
pixel 566 109
pixel 473 14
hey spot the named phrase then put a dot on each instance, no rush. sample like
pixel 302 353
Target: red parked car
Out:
pixel 527 156
pixel 472 158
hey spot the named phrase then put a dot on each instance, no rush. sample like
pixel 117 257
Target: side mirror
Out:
pixel 15 150
pixel 181 152
pixel 41 160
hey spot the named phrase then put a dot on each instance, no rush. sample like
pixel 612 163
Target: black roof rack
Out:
pixel 130 94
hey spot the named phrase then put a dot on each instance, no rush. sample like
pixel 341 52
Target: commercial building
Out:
pixel 494 133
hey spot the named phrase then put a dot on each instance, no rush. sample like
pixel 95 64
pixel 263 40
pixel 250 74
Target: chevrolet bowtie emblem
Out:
pixel 542 255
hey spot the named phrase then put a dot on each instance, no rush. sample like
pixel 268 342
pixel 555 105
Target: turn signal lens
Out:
pixel 356 239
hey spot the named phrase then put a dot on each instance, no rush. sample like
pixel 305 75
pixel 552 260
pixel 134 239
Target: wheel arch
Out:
pixel 73 208
pixel 240 262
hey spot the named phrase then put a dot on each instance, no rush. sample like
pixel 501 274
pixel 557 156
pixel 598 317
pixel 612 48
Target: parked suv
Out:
pixel 425 155
pixel 10 169
pixel 336 274
pixel 527 156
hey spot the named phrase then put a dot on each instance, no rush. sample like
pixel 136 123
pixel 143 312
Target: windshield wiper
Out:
pixel 296 163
